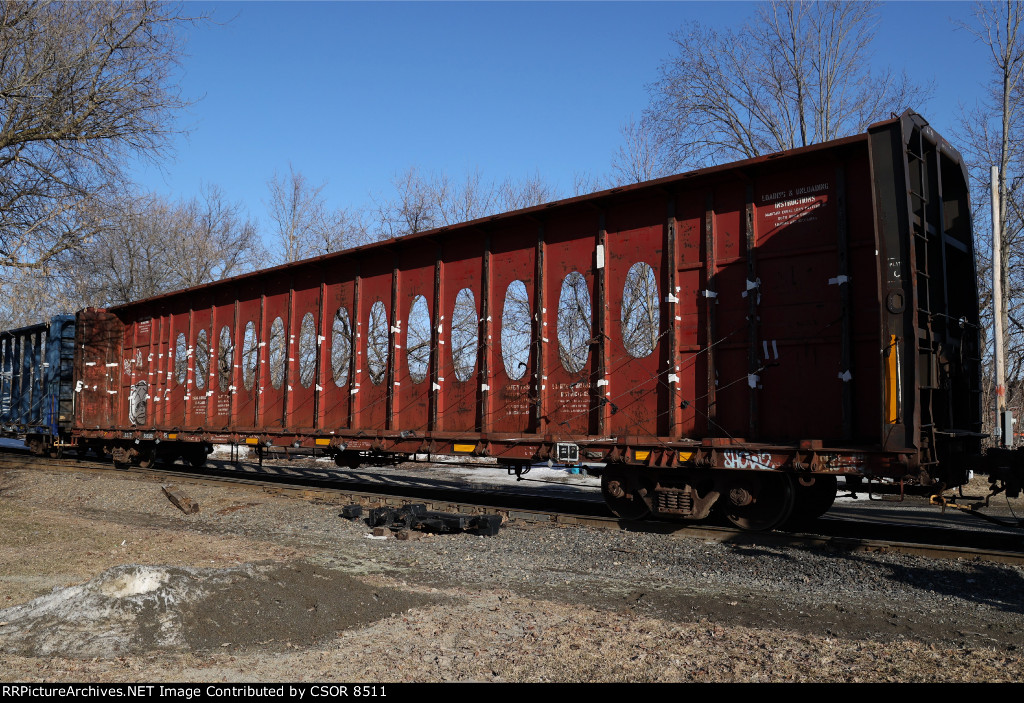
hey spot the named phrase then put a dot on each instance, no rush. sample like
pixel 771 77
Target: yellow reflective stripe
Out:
pixel 892 390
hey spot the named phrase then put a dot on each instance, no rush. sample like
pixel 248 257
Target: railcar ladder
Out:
pixel 922 232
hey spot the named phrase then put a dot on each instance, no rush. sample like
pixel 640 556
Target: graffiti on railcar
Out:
pixel 748 460
pixel 137 403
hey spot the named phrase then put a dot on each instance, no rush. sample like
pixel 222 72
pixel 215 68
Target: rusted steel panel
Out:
pixel 729 281
pixel 798 252
pixel 339 303
pixel 511 381
pixel 274 352
pixel 459 343
pixel 638 337
pixel 98 337
pixel 222 359
pixel 373 341
pixel 304 351
pixel 198 396
pixel 246 366
pixel 412 384
pixel 570 361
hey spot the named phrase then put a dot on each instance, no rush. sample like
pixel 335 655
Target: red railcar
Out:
pixel 740 334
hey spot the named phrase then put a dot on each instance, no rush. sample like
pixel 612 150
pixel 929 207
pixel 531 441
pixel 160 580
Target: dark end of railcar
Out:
pixel 927 290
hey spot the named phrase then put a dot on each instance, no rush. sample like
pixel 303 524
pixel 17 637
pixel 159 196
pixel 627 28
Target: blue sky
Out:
pixel 352 93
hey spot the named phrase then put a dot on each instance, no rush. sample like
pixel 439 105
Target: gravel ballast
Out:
pixel 103 579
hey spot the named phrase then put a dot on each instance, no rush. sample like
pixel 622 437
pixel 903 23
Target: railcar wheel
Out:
pixel 758 501
pixel 196 458
pixel 814 500
pixel 626 495
pixel 350 460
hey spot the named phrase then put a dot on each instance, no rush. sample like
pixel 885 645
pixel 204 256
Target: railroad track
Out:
pixel 352 487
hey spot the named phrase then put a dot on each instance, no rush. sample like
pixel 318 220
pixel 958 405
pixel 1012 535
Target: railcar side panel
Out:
pixel 373 342
pixel 303 353
pixel 864 305
pixel 694 308
pixel 796 296
pixel 459 345
pixel 637 331
pixel 339 349
pixel 135 371
pixel 512 381
pixel 220 385
pixel 570 362
pixel 178 375
pixel 247 369
pixel 199 352
pixel 274 352
pixel 415 317
pixel 729 347
pixel 98 337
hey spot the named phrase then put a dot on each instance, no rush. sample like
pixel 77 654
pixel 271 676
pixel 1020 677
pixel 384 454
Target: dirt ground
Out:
pixel 102 579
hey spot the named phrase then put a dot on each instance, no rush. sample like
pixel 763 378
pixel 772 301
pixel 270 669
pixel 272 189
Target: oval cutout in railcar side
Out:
pixel 250 355
pixel 377 344
pixel 307 350
pixel 516 330
pixel 640 311
pixel 574 322
pixel 418 340
pixel 202 362
pixel 180 359
pixel 225 358
pixel 277 344
pixel 465 334
pixel 341 347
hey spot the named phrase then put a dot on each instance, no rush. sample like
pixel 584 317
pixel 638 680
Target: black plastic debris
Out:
pixel 415 516
pixel 351 512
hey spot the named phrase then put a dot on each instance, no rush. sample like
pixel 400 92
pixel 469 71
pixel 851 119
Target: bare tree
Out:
pixel 303 224
pixel 217 240
pixel 296 209
pixel 84 87
pixel 993 134
pixel 797 74
pixel 460 202
pixel 644 154
pixel 424 201
pixel 527 192
pixel 148 245
pixel 411 210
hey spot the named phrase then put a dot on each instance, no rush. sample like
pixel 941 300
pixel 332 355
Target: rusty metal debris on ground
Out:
pixel 181 500
pixel 415 516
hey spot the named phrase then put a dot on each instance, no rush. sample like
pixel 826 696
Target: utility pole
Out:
pixel 1004 418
